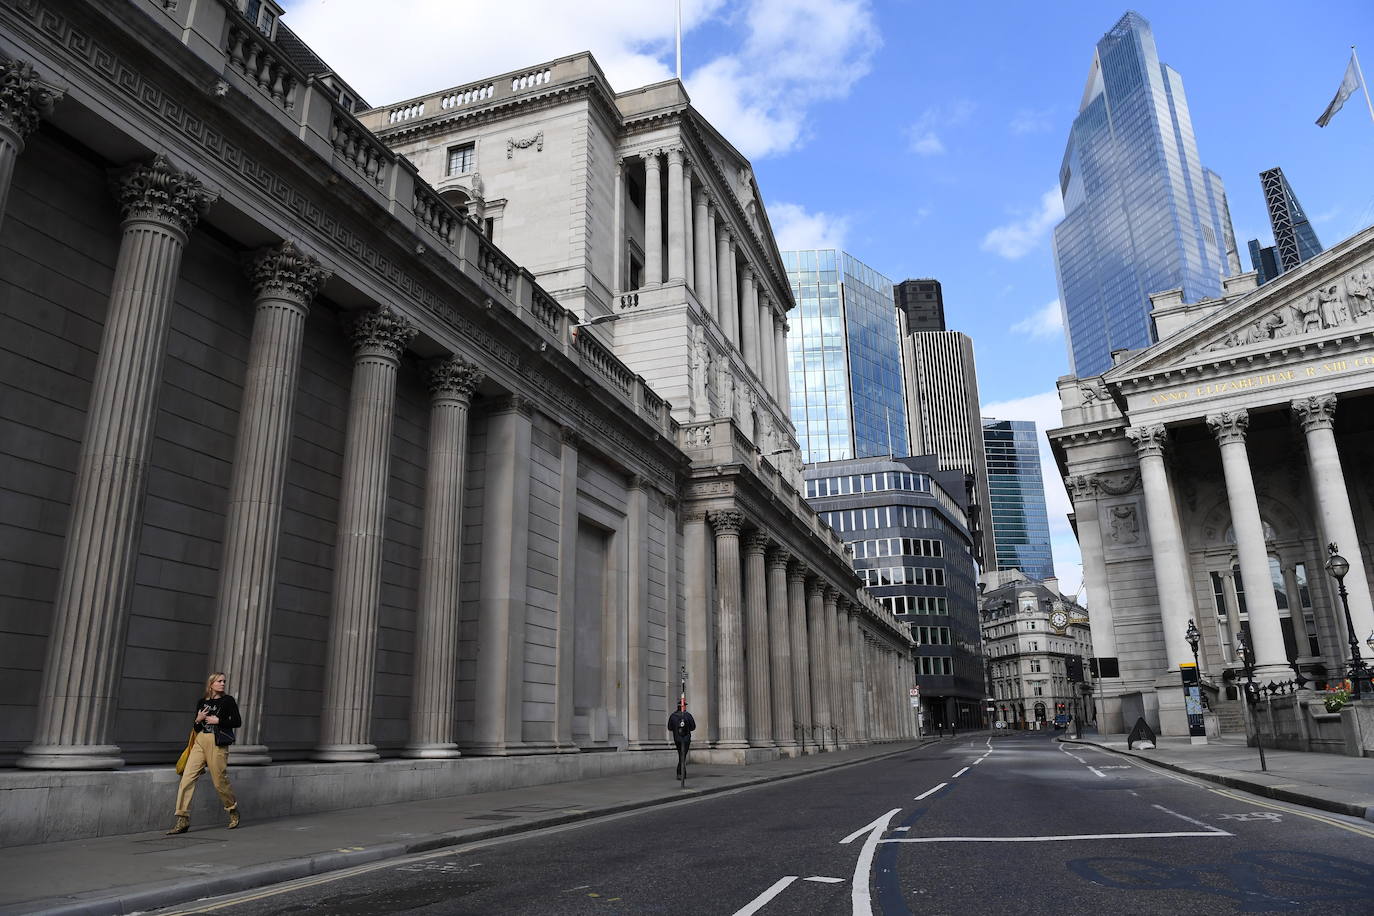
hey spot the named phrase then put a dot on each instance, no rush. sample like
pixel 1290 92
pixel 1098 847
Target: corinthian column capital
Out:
pixel 285 272
pixel 1229 425
pixel 1315 413
pixel 24 98
pixel 383 331
pixel 159 192
pixel 1150 441
pixel 726 521
pixel 756 542
pixel 454 378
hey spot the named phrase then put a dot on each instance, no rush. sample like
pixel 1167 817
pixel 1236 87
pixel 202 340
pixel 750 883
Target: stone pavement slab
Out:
pixel 1330 782
pixel 143 871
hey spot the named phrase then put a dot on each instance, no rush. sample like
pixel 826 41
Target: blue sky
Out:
pixel 925 137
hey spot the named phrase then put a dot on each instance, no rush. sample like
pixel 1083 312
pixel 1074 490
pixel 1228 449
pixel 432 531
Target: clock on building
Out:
pixel 1059 620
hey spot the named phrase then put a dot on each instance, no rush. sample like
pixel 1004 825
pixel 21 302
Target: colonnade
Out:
pixel 707 252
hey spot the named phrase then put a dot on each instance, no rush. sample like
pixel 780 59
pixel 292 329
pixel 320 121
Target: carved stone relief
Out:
pixel 1125 526
pixel 1348 300
pixel 700 373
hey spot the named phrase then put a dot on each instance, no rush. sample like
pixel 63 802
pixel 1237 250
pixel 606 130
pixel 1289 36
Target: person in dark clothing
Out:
pixel 217 715
pixel 681 724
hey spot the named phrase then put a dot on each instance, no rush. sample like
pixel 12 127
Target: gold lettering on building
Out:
pixel 1211 389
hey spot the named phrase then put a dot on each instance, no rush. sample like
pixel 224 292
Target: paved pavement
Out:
pixel 117 875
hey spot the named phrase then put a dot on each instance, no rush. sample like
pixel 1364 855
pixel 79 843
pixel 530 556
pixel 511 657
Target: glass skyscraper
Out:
pixel 1020 523
pixel 1141 213
pixel 845 359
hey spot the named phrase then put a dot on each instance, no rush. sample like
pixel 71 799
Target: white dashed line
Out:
pixel 822 880
pixel 961 773
pixel 929 792
pixel 758 902
pixel 1184 817
pixel 1098 772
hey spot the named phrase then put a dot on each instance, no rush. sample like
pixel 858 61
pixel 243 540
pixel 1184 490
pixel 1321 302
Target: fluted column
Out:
pixel 78 698
pixel 856 667
pixel 452 382
pixel 501 590
pixel 677 241
pixel 767 363
pixel 1266 635
pixel 780 647
pixel 730 639
pixel 780 366
pixel 24 101
pixel 1317 416
pixel 1175 593
pixel 749 314
pixel 697 582
pixel 285 282
pixel 379 337
pixel 618 280
pixel 818 667
pixel 688 233
pixel 801 678
pixel 725 281
pixel 1084 492
pixel 712 281
pixel 637 617
pixel 674 658
pixel 653 220
pixel 760 712
pixel 830 614
pixel 844 708
pixel 565 660
pixel 702 280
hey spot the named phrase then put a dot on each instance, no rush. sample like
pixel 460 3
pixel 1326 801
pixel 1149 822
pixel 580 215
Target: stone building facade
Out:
pixel 274 406
pixel 1210 472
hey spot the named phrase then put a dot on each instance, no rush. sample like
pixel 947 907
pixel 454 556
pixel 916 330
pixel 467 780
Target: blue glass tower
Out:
pixel 1141 213
pixel 845 358
pixel 1020 522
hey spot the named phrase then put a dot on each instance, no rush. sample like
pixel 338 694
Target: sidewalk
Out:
pixel 143 871
pixel 1330 782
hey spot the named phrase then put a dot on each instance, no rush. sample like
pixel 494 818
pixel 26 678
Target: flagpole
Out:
pixel 679 52
pixel 1363 85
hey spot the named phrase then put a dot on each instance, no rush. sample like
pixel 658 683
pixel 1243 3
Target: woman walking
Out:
pixel 217 715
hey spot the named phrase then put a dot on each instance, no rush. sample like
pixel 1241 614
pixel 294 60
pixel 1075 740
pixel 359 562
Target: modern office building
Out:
pixel 904 519
pixel 1141 212
pixel 1295 241
pixel 1020 524
pixel 923 302
pixel 845 359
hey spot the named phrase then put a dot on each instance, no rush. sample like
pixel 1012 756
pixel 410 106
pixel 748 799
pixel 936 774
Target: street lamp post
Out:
pixel 1338 566
pixel 1247 662
pixel 1194 637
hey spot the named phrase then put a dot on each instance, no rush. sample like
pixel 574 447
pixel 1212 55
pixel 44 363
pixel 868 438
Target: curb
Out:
pixel 143 897
pixel 1233 779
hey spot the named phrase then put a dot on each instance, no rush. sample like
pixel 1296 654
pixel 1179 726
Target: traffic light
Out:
pixel 1075 668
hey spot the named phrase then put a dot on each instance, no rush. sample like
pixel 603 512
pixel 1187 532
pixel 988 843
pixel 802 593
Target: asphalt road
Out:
pixel 1002 825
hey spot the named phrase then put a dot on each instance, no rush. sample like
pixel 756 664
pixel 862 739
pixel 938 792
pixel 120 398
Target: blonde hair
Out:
pixel 209 681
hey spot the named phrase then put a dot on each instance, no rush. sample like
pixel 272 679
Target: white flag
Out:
pixel 1349 84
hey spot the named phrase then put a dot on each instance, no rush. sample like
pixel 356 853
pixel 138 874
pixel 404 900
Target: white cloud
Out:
pixel 790 53
pixel 1018 238
pixel 1043 323
pixel 1043 409
pixel 795 228
pixel 1031 121
pixel 923 135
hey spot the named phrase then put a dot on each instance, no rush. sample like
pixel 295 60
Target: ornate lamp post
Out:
pixel 1194 637
pixel 1338 566
pixel 1247 663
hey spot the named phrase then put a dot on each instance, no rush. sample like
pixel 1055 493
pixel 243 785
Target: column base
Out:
pixel 70 757
pixel 431 751
pixel 731 744
pixel 346 753
pixel 249 755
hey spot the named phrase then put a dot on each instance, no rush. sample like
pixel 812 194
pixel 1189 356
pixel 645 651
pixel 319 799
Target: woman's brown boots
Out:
pixel 233 817
pixel 182 825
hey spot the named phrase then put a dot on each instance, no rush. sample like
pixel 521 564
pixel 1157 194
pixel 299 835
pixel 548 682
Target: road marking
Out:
pixel 1272 817
pixel 978 761
pixel 1184 817
pixel 960 773
pixel 905 829
pixel 859 896
pixel 929 792
pixel 1052 839
pixel 753 906
pixel 1098 772
pixel 1307 814
pixel 823 880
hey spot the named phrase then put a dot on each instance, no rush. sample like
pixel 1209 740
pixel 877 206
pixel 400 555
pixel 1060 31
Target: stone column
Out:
pixel 24 100
pixel 497 719
pixel 78 698
pixel 1166 543
pixel 767 363
pixel 749 315
pixel 725 281
pixel 618 283
pixel 784 394
pixel 688 232
pixel 801 679
pixel 285 282
pixel 830 614
pixel 565 663
pixel 653 220
pixel 1266 635
pixel 701 281
pixel 856 667
pixel 1317 416
pixel 379 337
pixel 673 657
pixel 452 382
pixel 637 616
pixel 1083 492
pixel 844 709
pixel 760 713
pixel 819 669
pixel 730 638
pixel 712 281
pixel 780 647
pixel 677 240
pixel 696 558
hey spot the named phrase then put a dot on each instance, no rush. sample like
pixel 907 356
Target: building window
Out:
pixel 1305 601
pixel 460 158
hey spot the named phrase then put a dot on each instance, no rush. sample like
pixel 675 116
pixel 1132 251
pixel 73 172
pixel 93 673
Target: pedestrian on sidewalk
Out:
pixel 217 715
pixel 681 724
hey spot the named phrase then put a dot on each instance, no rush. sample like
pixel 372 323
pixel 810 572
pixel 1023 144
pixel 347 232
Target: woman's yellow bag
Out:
pixel 181 761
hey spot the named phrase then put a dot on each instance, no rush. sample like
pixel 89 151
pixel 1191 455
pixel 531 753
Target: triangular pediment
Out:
pixel 1327 298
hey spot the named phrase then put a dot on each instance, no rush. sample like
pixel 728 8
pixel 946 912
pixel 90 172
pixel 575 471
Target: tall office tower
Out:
pixel 1141 213
pixel 1295 240
pixel 1020 523
pixel 845 359
pixel 923 303
pixel 944 418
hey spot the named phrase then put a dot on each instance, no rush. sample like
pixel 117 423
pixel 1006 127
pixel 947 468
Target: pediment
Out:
pixel 1327 298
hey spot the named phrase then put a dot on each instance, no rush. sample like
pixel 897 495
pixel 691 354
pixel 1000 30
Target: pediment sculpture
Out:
pixel 1345 301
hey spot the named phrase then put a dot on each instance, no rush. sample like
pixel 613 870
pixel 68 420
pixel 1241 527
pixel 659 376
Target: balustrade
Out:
pixel 262 64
